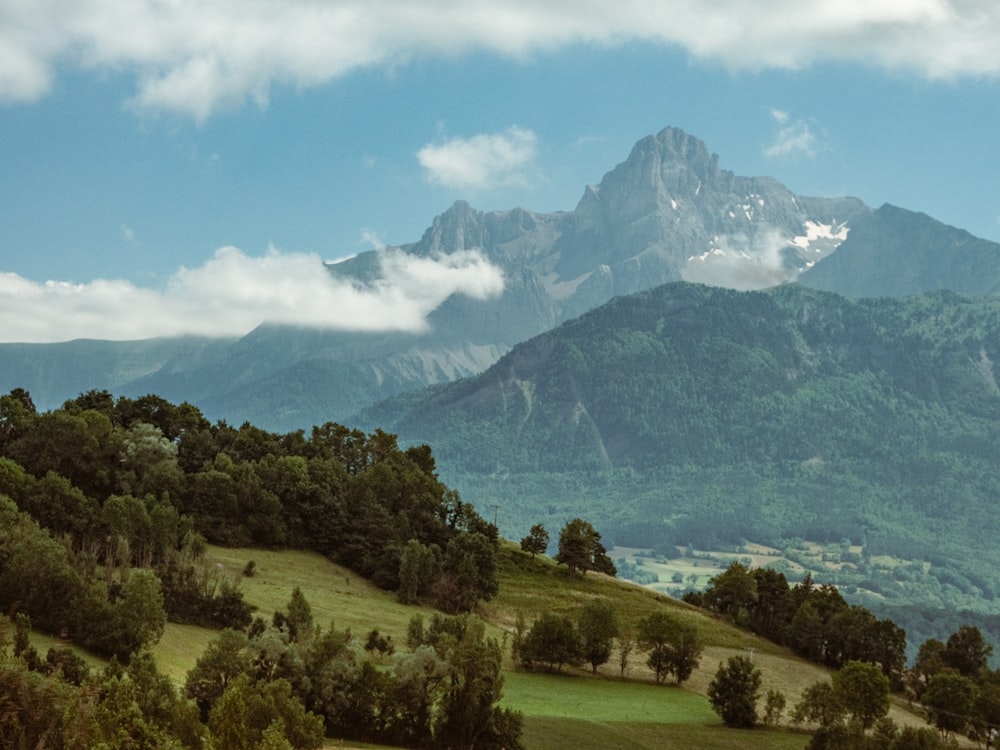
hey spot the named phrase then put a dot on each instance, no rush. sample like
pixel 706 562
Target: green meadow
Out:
pixel 573 709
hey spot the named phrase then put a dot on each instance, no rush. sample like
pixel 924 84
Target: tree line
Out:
pixel 672 648
pixel 106 508
pixel 951 681
pixel 278 685
pixel 142 483
pixel 814 620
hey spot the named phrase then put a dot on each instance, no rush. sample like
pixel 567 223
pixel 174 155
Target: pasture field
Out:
pixel 571 713
pixel 573 710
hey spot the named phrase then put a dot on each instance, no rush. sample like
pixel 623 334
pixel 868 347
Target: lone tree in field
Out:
pixel 734 691
pixel 580 549
pixel 537 540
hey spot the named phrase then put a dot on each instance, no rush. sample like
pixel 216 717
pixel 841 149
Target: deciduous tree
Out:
pixel 734 691
pixel 950 699
pixel 552 640
pixel 597 628
pixel 863 691
pixel 671 646
pixel 537 540
pixel 580 549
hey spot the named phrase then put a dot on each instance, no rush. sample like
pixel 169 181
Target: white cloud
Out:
pixel 481 162
pixel 233 293
pixel 794 137
pixel 128 234
pixel 194 57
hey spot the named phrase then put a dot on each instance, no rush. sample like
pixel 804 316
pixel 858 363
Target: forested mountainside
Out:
pixel 690 414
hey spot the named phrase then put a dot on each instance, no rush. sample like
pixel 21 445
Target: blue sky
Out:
pixel 186 166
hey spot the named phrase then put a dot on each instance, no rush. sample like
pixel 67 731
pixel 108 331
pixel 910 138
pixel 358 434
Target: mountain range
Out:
pixel 668 213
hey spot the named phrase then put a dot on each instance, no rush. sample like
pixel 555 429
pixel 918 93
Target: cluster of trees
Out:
pixel 276 686
pixel 112 613
pixel 115 485
pixel 580 547
pixel 671 646
pixel 953 682
pixel 813 620
pixel 849 710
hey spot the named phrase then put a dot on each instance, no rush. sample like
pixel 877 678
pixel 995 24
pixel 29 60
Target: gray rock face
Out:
pixel 895 252
pixel 667 213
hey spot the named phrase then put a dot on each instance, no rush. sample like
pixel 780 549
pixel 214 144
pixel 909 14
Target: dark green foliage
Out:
pixel 49 708
pixel 468 572
pixel 950 699
pixel 580 549
pixel 67 665
pixel 552 640
pixel 734 691
pixel 672 647
pixel 774 707
pixel 134 504
pixel 126 482
pixel 247 709
pixel 226 658
pixel 378 642
pixel 917 738
pixel 846 708
pixel 537 540
pixel 863 691
pixel 442 694
pixel 40 579
pixel 419 568
pixel 815 621
pixel 732 593
pixel 967 651
pixel 193 596
pixel 299 617
pixel 469 715
pixel 597 628
pixel 821 704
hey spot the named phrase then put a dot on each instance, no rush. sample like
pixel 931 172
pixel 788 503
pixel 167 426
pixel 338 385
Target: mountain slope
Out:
pixel 894 252
pixel 668 212
pixel 696 414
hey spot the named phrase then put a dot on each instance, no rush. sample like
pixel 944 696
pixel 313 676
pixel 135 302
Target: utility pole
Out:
pixel 496 513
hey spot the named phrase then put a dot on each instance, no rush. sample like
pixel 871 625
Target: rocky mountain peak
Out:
pixel 659 170
pixel 458 228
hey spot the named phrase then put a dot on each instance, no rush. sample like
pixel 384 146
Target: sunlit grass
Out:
pixel 574 710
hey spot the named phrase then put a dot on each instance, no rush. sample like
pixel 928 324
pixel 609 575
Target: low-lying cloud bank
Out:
pixel 233 293
pixel 194 58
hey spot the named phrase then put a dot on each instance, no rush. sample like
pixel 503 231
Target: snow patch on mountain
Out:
pixel 821 238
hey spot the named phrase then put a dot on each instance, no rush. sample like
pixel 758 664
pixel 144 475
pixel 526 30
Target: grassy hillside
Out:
pixel 569 710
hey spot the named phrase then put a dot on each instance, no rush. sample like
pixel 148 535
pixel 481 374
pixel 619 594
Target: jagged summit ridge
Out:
pixel 668 212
